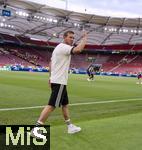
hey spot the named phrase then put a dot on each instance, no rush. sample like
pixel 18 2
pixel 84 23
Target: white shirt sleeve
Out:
pixel 66 49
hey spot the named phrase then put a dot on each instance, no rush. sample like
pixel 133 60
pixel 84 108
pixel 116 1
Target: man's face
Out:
pixel 69 39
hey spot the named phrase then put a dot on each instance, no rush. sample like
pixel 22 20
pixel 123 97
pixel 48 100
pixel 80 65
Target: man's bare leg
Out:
pixel 45 114
pixel 65 110
pixel 71 128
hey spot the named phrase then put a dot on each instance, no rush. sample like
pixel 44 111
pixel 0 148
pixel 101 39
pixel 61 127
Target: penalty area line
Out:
pixel 74 104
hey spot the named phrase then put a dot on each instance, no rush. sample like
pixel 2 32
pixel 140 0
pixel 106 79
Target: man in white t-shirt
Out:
pixel 60 63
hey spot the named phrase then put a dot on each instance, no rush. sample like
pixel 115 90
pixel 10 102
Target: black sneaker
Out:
pixel 37 133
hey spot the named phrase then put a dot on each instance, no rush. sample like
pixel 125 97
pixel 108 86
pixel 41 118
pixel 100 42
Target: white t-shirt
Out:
pixel 60 62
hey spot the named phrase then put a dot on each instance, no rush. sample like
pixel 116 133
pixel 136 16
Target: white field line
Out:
pixel 76 104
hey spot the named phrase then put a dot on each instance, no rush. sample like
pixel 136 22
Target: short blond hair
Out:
pixel 68 32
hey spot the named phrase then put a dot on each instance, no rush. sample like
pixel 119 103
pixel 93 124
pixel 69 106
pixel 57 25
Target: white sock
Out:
pixel 39 123
pixel 68 122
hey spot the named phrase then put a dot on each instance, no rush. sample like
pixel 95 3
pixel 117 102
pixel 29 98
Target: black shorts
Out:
pixel 139 76
pixel 88 72
pixel 59 95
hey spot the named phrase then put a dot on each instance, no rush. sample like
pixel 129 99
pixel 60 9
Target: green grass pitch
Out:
pixel 112 119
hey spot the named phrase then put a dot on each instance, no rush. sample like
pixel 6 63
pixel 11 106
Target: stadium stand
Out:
pixel 33 56
pixel 20 45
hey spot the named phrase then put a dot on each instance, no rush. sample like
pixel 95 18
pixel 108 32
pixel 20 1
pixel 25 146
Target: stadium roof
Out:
pixel 46 23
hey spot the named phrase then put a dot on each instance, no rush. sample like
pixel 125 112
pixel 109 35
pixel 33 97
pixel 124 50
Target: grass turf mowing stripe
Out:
pixel 75 104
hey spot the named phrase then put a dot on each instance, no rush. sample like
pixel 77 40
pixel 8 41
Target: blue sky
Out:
pixel 114 8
